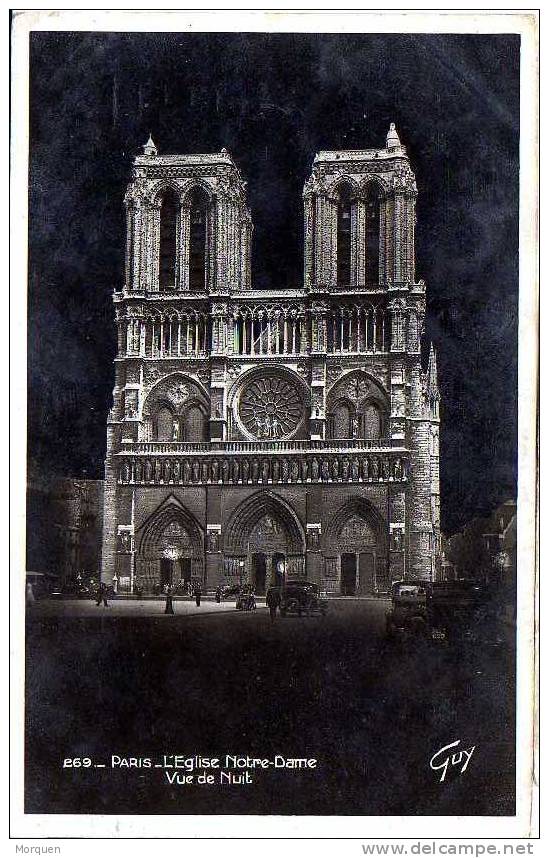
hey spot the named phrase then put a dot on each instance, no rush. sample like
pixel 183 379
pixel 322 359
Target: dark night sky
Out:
pixel 273 101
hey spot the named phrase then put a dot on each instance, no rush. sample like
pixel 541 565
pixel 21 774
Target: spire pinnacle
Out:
pixel 432 373
pixel 149 148
pixel 393 140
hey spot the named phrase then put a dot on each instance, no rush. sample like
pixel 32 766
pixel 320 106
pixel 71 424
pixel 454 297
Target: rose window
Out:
pixel 271 407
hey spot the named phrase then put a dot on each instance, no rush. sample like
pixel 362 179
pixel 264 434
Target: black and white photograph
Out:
pixel 279 496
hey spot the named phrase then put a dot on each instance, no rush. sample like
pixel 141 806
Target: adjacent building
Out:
pixel 261 436
pixel 64 528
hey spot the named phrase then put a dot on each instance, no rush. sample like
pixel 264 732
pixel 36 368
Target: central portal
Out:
pixel 264 540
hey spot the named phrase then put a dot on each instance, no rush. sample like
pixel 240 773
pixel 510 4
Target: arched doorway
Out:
pixel 265 538
pixel 170 550
pixel 356 556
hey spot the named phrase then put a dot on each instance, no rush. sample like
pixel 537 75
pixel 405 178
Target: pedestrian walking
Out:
pixel 169 600
pixel 218 595
pixel 197 595
pixel 102 595
pixel 273 602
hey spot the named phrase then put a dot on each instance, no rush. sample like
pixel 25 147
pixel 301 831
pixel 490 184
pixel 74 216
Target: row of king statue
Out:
pixel 255 436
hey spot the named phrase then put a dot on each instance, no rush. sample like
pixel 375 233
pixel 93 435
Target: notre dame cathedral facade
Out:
pixel 260 436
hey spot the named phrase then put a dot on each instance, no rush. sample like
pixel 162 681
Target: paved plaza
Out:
pixel 130 608
pixel 132 682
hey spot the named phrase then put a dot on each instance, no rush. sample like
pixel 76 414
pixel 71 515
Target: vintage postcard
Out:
pixel 277 576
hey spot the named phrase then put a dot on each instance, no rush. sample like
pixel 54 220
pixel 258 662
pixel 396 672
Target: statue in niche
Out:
pixel 265 469
pixel 176 471
pixel 276 470
pixel 355 469
pixel 205 472
pixel 335 469
pixel 312 538
pixel 196 471
pixel 385 468
pixel 215 470
pixel 157 470
pixel 125 472
pixel 214 540
pixel 255 471
pixel 167 472
pixel 304 470
pixel 236 470
pixel 325 470
pixel 396 539
pixel 397 472
pixel 138 471
pixel 315 469
pixel 187 471
pixel 355 429
pixel 124 541
pixel 365 468
pixel 285 470
pixel 148 471
pixel 225 471
pixel 245 471
pixel 374 468
pixel 175 430
pixel 294 471
pixel 345 468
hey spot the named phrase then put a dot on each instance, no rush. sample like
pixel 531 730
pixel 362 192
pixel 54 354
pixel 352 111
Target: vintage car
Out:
pixel 232 591
pixel 245 600
pixel 300 597
pixel 440 610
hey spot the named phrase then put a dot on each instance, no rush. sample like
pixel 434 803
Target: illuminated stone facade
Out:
pixel 257 435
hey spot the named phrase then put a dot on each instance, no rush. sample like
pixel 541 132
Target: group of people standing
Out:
pixel 169 590
pixel 273 599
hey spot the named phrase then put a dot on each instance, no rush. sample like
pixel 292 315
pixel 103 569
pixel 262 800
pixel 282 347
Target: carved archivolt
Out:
pixel 173 390
pixel 356 386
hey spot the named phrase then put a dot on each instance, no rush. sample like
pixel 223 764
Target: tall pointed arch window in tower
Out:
pixel 169 216
pixel 372 235
pixel 344 237
pixel 198 239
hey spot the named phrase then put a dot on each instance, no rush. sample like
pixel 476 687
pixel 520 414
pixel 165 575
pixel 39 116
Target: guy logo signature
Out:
pixel 443 758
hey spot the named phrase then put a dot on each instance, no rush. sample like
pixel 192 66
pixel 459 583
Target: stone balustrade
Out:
pixel 176 448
